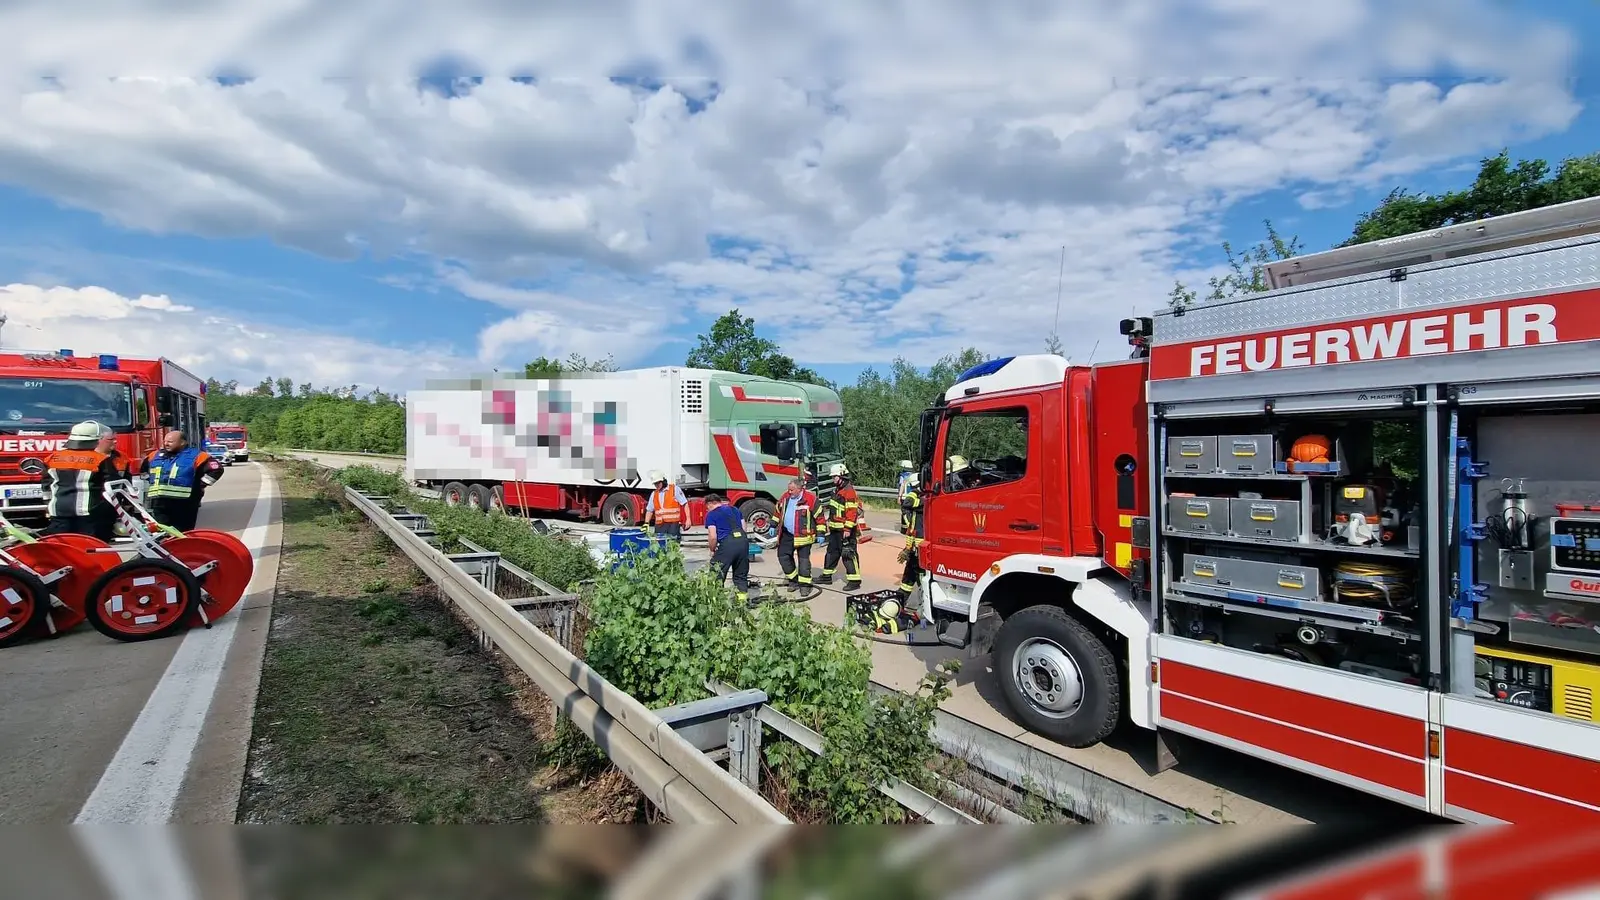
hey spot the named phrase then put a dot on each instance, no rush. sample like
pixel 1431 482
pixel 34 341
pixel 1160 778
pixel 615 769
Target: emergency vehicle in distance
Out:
pixel 233 436
pixel 1350 526
pixel 42 395
pixel 585 445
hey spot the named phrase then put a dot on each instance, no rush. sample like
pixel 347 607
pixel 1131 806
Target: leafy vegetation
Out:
pixel 562 564
pixel 276 412
pixel 660 633
pixel 732 345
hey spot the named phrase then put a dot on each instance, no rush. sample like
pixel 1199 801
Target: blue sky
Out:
pixel 368 232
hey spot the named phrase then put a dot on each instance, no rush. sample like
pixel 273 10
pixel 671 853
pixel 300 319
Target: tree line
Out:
pixel 341 419
pixel 883 408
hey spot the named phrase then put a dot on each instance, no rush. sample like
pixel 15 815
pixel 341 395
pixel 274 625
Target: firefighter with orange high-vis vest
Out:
pixel 797 533
pixel 845 525
pixel 666 508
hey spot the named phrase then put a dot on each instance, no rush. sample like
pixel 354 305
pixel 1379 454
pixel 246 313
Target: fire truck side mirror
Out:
pixel 168 420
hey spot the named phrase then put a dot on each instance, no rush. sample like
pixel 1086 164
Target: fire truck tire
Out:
pixel 761 517
pixel 617 510
pixel 1058 677
pixel 147 582
pixel 480 498
pixel 454 494
pixel 24 600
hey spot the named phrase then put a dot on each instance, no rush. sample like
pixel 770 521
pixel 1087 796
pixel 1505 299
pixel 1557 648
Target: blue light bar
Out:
pixel 985 368
pixel 66 353
pixel 108 362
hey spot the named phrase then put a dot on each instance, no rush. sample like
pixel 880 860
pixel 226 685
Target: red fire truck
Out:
pixel 42 395
pixel 232 435
pixel 1350 526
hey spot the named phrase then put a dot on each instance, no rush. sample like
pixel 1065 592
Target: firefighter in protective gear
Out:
pixel 74 483
pixel 913 526
pixel 797 532
pixel 178 475
pixel 666 509
pixel 844 527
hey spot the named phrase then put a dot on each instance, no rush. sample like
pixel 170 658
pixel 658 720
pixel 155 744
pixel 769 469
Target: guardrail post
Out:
pixel 744 748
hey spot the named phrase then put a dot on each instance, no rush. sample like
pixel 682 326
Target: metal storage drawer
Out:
pixel 1269 520
pixel 1246 454
pixel 1192 454
pixel 1198 515
pixel 1250 576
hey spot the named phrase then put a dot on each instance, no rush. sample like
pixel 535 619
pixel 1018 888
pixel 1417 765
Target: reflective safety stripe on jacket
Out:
pixel 665 506
pixel 74 479
pixel 911 519
pixel 844 510
pixel 175 474
pixel 805 514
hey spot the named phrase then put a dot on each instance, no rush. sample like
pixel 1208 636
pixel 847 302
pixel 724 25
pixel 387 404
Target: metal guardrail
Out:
pixel 672 773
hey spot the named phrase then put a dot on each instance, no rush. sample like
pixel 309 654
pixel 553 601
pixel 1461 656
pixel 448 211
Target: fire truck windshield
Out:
pixel 60 403
pixel 228 434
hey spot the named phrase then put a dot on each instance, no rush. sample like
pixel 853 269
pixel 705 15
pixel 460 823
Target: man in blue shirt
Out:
pixel 730 547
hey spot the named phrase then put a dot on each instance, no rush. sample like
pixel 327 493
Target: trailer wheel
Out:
pixel 454 494
pixel 497 498
pixel 24 602
pixel 480 498
pixel 617 511
pixel 761 517
pixel 1057 677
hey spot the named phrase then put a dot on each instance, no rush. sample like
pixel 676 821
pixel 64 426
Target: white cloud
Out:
pixel 856 148
pixel 91 320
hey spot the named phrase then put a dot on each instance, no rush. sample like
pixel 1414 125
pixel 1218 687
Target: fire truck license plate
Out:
pixel 32 492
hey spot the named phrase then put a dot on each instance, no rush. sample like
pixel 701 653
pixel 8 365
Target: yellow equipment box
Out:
pixel 1544 683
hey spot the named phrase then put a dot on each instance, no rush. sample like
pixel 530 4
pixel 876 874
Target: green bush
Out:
pixel 558 562
pixel 659 634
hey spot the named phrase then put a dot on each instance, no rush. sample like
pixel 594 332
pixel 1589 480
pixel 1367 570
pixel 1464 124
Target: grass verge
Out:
pixel 376 705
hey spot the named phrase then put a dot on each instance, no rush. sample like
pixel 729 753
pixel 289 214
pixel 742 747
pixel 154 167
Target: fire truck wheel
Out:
pixel 142 599
pixel 617 511
pixel 480 498
pixel 23 602
pixel 454 494
pixel 1059 678
pixel 761 516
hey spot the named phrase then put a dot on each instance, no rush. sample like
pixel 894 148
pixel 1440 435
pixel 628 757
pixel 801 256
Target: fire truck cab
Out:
pixel 1350 526
pixel 42 395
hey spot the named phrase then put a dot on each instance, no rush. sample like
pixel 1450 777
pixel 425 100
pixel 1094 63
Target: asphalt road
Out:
pixel 93 730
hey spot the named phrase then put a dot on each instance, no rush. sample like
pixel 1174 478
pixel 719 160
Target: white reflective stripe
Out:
pixel 145 581
pixel 11 595
pixel 144 620
pixel 172 595
pixel 5 623
pixel 116 603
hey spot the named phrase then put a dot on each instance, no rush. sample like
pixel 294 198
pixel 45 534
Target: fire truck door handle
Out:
pixel 1024 525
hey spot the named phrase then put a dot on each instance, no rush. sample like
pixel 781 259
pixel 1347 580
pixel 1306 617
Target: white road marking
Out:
pixel 141 784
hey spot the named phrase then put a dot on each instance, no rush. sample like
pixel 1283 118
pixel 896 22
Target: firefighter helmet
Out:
pixel 838 470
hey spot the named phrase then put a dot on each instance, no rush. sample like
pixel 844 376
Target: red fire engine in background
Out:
pixel 42 395
pixel 232 435
pixel 1350 526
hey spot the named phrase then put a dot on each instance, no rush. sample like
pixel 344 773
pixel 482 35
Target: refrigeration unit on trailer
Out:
pixel 588 444
pixel 44 394
pixel 1350 526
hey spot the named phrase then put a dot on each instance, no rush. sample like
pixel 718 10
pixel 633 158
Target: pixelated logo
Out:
pixel 585 436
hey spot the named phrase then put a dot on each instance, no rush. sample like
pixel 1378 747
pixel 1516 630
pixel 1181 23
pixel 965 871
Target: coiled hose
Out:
pixel 1374 584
